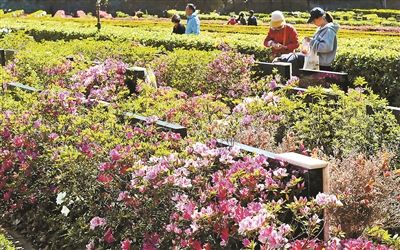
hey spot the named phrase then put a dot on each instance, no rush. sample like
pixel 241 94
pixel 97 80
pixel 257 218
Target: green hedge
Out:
pixel 5 244
pixel 374 57
pixel 386 13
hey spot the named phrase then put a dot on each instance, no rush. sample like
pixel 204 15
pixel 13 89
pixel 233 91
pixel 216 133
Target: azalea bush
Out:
pixel 196 113
pixel 331 121
pixel 368 190
pixel 178 69
pixel 62 136
pixel 211 198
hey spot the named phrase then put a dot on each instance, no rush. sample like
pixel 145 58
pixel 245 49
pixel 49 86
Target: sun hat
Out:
pixel 315 13
pixel 277 19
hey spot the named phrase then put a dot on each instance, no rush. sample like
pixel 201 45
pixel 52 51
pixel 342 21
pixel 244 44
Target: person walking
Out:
pixel 178 27
pixel 193 21
pixel 282 38
pixel 324 42
pixel 252 20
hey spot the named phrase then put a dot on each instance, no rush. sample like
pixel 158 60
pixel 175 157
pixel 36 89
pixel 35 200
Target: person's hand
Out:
pixel 277 45
pixel 305 51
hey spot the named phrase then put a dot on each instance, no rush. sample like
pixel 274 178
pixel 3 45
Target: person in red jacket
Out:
pixel 282 37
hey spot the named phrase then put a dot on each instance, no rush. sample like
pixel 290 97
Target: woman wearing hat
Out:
pixel 282 37
pixel 324 41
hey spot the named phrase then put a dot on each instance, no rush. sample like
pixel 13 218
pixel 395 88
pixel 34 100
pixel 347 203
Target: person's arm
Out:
pixel 268 40
pixel 196 28
pixel 326 43
pixel 293 40
pixel 188 27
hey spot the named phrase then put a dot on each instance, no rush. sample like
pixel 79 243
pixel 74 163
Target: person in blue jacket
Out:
pixel 193 21
pixel 324 41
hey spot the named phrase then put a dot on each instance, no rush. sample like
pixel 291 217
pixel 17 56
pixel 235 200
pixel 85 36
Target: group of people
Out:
pixel 282 37
pixel 192 24
pixel 252 20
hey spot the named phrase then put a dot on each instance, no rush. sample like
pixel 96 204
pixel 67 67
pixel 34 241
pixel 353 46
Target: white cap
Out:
pixel 277 18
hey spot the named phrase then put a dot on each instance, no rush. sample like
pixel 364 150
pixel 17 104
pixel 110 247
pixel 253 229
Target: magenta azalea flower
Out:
pixel 126 244
pixel 108 236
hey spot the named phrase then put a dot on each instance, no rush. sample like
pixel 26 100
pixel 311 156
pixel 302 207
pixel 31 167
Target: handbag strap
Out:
pixel 284 35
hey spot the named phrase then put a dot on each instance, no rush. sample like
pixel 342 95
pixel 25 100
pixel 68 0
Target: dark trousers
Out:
pixel 297 61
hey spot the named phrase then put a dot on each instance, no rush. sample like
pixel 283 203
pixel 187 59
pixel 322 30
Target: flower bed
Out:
pixel 103 184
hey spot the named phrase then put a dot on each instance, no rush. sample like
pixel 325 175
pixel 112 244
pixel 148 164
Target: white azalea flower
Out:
pixel 60 198
pixel 65 211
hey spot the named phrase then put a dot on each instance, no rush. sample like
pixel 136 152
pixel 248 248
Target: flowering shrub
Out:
pixel 50 148
pixel 208 199
pixel 177 69
pixel 330 122
pixel 101 82
pixel 229 74
pixel 368 190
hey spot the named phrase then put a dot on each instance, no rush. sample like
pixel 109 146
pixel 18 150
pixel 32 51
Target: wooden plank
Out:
pixel 323 78
pixel 302 161
pixel 2 57
pixel 173 127
pixel 246 148
pixel 13 85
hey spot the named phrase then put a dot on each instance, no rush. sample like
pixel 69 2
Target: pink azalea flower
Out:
pixel 7 196
pixel 126 244
pixel 90 245
pixel 323 199
pixel 18 141
pixel 53 136
pixel 246 242
pixel 122 196
pixel 115 155
pixel 97 222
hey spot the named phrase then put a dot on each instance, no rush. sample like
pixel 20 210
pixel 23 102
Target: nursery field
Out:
pixel 88 161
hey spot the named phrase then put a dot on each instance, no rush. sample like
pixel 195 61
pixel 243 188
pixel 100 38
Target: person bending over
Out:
pixel 282 38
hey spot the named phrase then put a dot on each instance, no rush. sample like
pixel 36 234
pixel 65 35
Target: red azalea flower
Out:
pixel 104 178
pixel 108 236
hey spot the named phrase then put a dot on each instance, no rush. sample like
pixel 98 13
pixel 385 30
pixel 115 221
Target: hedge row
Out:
pixel 377 59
